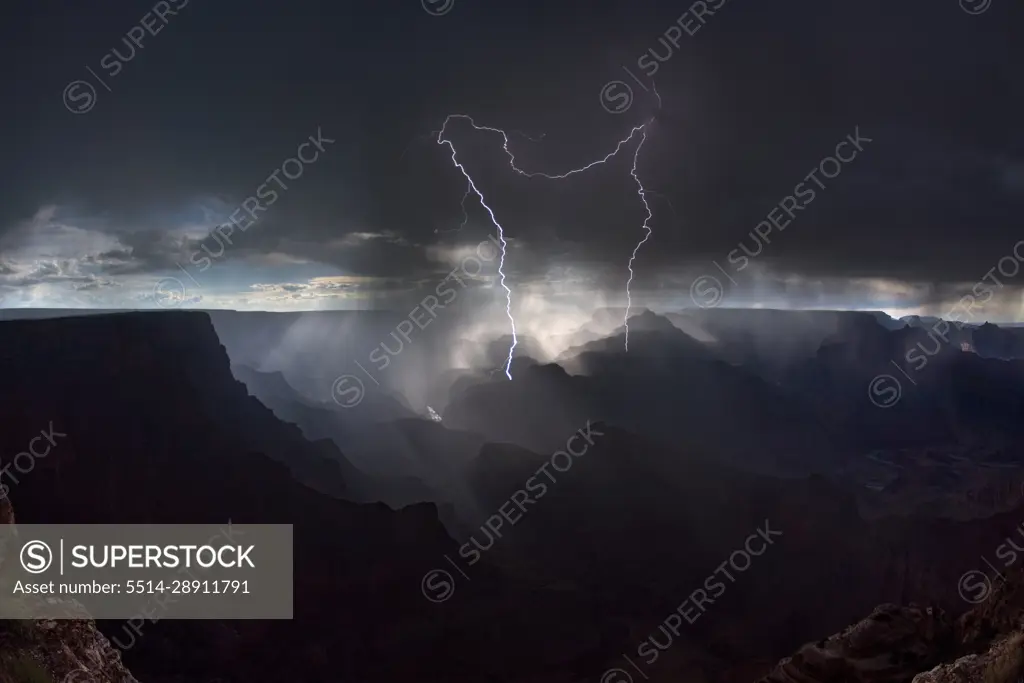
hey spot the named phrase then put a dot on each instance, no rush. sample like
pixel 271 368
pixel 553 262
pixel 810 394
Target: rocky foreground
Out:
pixel 920 645
pixel 56 651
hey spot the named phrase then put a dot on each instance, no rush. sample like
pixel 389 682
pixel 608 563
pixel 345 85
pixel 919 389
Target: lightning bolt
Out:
pixel 643 197
pixel 641 129
pixel 501 236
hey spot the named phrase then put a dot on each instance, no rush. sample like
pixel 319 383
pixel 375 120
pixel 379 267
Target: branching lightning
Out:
pixel 465 213
pixel 641 129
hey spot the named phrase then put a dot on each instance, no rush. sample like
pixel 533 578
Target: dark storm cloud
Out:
pixel 751 104
pixel 363 253
pixel 143 252
pixel 750 110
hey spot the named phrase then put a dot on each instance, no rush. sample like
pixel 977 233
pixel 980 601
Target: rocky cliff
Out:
pixel 920 645
pixel 61 651
pixel 149 426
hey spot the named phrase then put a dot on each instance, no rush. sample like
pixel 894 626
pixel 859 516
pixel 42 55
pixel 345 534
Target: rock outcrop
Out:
pixel 1003 662
pixel 889 646
pixel 920 645
pixel 64 651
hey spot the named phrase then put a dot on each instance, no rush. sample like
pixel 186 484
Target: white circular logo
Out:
pixel 437 8
pixel 975 586
pixel 36 557
pixel 437 585
pixel 707 291
pixel 80 676
pixel 169 292
pixel 348 391
pixel 885 391
pixel 616 676
pixel 975 6
pixel 616 97
pixel 79 97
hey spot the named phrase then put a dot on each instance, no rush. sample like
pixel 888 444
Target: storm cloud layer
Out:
pixel 120 179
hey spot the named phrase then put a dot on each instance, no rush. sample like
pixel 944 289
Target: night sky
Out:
pixel 112 188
